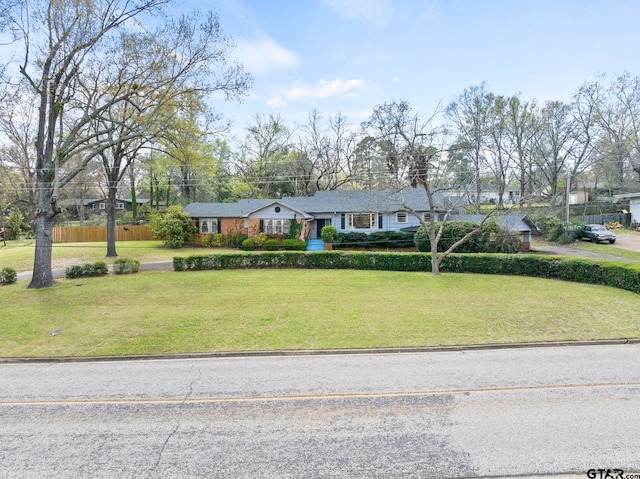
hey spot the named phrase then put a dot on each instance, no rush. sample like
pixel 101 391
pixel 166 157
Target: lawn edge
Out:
pixel 320 352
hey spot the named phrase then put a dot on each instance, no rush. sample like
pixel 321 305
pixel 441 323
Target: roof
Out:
pixel 627 196
pixel 512 222
pixel 518 223
pixel 324 202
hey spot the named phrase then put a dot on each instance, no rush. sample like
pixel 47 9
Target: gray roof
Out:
pixel 512 222
pixel 323 202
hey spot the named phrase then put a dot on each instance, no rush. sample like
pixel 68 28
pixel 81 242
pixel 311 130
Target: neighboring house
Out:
pixel 362 211
pixel 73 206
pixel 634 205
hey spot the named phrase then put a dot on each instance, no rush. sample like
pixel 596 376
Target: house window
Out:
pixel 119 206
pixel 426 217
pixel 361 221
pixel 277 226
pixel 401 217
pixel 103 206
pixel 209 225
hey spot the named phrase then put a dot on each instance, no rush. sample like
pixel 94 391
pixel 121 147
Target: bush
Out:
pixel 8 276
pixel 248 245
pixel 215 240
pixel 491 239
pixel 259 240
pixel 234 240
pixel 390 239
pixel 126 266
pixel 271 245
pixel 329 234
pixel 172 226
pixel 346 240
pixel 618 275
pixel 294 244
pixel 87 270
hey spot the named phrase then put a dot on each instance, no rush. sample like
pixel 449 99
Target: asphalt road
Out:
pixel 495 413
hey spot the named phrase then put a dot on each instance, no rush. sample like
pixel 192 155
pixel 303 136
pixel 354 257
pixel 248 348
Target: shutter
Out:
pixel 342 222
pixel 379 221
pixel 219 225
pixel 261 226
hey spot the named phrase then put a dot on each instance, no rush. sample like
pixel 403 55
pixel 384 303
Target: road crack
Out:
pixel 178 423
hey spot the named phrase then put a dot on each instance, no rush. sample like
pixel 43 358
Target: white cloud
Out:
pixel 395 80
pixel 377 11
pixel 324 89
pixel 276 102
pixel 263 56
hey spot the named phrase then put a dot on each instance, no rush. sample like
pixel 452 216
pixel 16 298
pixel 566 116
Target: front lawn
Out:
pixel 245 310
pixel 18 254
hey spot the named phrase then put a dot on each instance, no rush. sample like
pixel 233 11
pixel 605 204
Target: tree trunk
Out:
pixel 43 228
pixel 111 220
pixel 435 263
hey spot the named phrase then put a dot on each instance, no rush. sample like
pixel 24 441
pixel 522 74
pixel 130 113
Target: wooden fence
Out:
pixel 79 234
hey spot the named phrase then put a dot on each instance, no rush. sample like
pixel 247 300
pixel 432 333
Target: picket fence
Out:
pixel 80 234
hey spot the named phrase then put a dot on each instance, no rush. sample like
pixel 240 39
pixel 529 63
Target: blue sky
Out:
pixel 348 56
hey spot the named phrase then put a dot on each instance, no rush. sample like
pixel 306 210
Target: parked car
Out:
pixel 597 233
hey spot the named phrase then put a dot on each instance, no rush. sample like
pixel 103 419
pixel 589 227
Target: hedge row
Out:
pixel 618 275
pixel 88 270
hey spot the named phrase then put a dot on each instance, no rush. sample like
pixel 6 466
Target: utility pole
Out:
pixel 566 206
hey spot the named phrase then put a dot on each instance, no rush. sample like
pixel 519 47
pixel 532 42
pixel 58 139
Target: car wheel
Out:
pixel 612 241
pixel 594 240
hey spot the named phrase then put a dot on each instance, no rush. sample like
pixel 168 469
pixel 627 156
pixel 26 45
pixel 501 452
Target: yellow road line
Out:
pixel 307 397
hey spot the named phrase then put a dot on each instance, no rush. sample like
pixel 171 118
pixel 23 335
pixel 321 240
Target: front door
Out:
pixel 321 223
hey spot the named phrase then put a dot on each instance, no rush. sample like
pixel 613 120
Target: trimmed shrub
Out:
pixel 8 276
pixel 259 240
pixel 390 239
pixel 248 245
pixel 88 270
pixel 215 240
pixel 615 274
pixel 271 245
pixel 329 234
pixel 290 244
pixel 126 266
pixel 346 240
pixel 234 240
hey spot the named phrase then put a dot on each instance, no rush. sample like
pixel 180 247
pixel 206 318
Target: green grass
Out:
pixel 19 254
pixel 246 310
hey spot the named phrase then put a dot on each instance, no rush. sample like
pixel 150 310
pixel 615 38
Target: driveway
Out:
pixel 630 242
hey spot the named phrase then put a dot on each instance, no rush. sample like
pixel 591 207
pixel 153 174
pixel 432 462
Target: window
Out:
pixel 426 217
pixel 119 206
pixel 361 221
pixel 103 206
pixel 401 217
pixel 209 225
pixel 277 226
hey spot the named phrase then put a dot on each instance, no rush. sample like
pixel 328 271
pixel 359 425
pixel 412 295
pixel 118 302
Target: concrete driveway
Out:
pixel 628 241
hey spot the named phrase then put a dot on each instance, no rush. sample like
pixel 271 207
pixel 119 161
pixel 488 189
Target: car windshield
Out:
pixel 598 228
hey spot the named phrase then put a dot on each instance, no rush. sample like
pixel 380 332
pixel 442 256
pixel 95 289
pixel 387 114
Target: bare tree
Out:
pixel 330 151
pixel 17 157
pixel 470 114
pixel 521 132
pixel 416 149
pixel 59 40
pixel 554 143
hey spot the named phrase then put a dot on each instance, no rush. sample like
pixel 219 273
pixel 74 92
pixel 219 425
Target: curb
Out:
pixel 320 352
